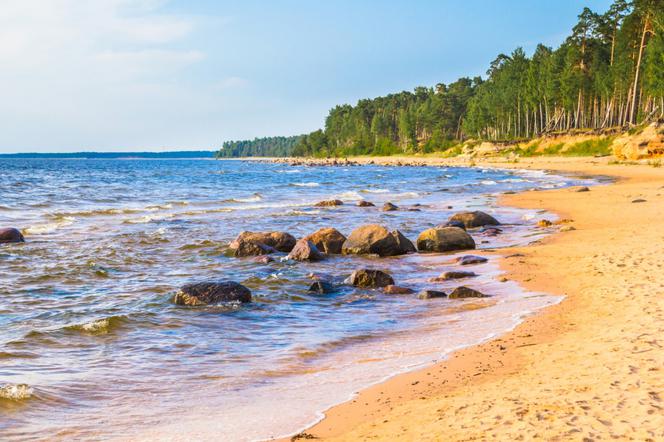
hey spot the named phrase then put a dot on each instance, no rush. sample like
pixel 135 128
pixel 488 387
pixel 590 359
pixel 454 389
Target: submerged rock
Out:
pixel 471 259
pixel 328 240
pixel 10 234
pixel 446 276
pixel 389 207
pixel 374 238
pixel 263 259
pixel 430 294
pixel 321 287
pixel 329 203
pixel 249 248
pixel 364 203
pixel 281 241
pixel 582 189
pixel 465 292
pixel 444 239
pixel 305 250
pixel 397 290
pixel 458 224
pixel 475 219
pixel 370 278
pixel 212 292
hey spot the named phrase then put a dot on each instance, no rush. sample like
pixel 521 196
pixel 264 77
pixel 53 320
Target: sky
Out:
pixel 122 75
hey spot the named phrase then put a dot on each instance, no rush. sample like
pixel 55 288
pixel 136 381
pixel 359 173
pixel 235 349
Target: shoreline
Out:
pixel 386 409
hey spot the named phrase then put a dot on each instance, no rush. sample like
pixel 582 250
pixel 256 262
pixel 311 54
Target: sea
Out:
pixel 92 346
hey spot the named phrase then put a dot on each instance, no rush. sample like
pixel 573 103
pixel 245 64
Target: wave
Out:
pixel 16 392
pixel 350 196
pixel 374 191
pixel 149 218
pixel 98 326
pixel 50 227
pixel 118 210
pixel 310 184
pixel 488 182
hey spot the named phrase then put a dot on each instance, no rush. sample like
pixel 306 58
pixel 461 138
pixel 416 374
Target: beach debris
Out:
pixel 364 203
pixel 444 239
pixel 471 259
pixel 305 250
pixel 321 287
pixel 544 223
pixel 250 248
pixel 376 239
pixel 639 200
pixel 430 294
pixel 281 241
pixel 370 278
pixel 475 219
pixel 466 292
pixel 389 207
pixel 567 228
pixel 328 240
pixel 263 259
pixel 10 234
pixel 329 203
pixel 582 189
pixel 397 290
pixel 446 276
pixel 212 292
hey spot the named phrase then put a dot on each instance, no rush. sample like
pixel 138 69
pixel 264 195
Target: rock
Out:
pixel 321 287
pixel 389 207
pixel 491 231
pixel 374 238
pixel 475 219
pixel 329 203
pixel 444 239
pixel 471 259
pixel 370 278
pixel 364 203
pixel 564 221
pixel 430 294
pixel 458 224
pixel 211 292
pixel 281 241
pixel 582 189
pixel 396 290
pixel 567 228
pixel 639 200
pixel 250 248
pixel 263 259
pixel 465 292
pixel 328 240
pixel 305 250
pixel 446 276
pixel 544 223
pixel 10 234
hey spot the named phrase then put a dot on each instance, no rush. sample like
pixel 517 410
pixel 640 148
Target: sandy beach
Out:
pixel 589 368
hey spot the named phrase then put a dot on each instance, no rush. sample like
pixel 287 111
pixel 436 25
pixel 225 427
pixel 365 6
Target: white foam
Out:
pixel 16 392
pixel 311 184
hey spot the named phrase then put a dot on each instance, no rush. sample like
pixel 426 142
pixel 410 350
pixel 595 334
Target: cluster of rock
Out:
pixel 370 239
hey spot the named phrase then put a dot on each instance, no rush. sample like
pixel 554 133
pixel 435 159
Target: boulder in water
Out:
pixel 444 239
pixel 212 292
pixel 465 292
pixel 364 203
pixel 329 203
pixel 321 287
pixel 10 234
pixel 250 248
pixel 374 238
pixel 370 278
pixel 397 290
pixel 471 259
pixel 328 240
pixel 281 241
pixel 475 219
pixel 430 294
pixel 446 276
pixel 305 250
pixel 389 207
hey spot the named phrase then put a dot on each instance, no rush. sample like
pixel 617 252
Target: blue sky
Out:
pixel 162 75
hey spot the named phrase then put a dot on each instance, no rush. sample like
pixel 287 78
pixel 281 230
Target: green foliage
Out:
pixel 259 147
pixel 595 147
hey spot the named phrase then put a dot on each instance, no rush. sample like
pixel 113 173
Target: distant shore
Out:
pixel 588 367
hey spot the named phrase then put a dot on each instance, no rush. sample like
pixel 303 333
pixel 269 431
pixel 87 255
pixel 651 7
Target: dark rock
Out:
pixel 444 239
pixel 490 231
pixel 544 223
pixel 639 200
pixel 396 290
pixel 10 234
pixel 305 250
pixel 328 240
pixel 509 192
pixel 370 278
pixel 465 292
pixel 281 241
pixel 475 219
pixel 329 203
pixel 430 294
pixel 211 292
pixel 389 207
pixel 250 248
pixel 263 259
pixel 458 224
pixel 471 259
pixel 582 189
pixel 374 238
pixel 321 287
pixel 446 276
pixel 364 203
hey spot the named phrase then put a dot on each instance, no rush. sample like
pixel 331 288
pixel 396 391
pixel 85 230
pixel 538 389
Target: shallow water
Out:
pixel 92 347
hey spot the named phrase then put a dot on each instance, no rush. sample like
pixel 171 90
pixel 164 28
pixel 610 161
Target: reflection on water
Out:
pixel 92 347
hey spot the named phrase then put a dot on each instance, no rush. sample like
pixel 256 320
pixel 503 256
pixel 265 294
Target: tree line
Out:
pixel 609 72
pixel 260 147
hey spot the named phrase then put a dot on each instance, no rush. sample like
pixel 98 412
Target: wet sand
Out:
pixel 591 367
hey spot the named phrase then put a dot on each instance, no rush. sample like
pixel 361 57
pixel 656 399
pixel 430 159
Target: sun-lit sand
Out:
pixel 589 368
